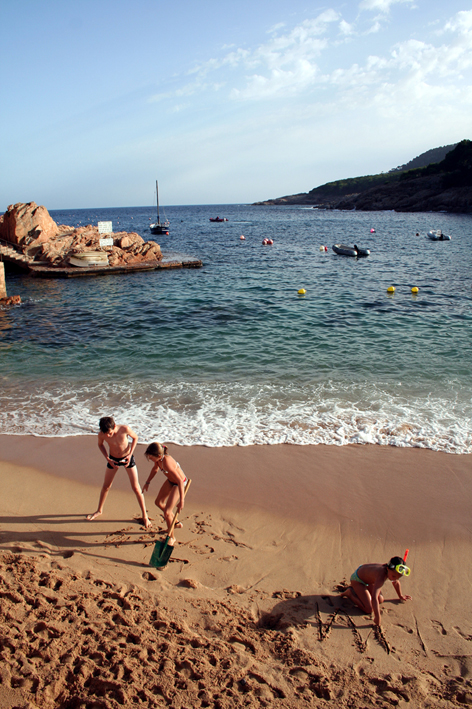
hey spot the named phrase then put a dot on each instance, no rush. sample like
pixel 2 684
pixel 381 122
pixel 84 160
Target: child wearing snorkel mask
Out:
pixel 367 581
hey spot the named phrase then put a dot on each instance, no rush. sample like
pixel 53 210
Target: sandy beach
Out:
pixel 248 611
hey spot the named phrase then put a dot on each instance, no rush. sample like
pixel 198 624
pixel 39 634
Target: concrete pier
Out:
pixel 46 271
pixel 3 285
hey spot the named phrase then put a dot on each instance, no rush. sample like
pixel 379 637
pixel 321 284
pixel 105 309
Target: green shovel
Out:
pixel 162 549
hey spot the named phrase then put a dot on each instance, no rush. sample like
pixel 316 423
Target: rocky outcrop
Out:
pixel 11 300
pixel 444 186
pixel 423 194
pixel 23 224
pixel 36 235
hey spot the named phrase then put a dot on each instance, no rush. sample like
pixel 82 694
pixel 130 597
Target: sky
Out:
pixel 222 101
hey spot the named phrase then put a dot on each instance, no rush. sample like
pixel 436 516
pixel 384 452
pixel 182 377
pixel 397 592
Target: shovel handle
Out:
pixel 187 485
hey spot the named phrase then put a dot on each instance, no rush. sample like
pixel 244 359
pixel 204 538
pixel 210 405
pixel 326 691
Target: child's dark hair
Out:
pixel 106 424
pixel 156 449
pixel 394 561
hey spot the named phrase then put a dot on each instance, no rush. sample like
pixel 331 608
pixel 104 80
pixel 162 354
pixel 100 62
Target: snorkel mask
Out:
pixel 398 564
pixel 402 569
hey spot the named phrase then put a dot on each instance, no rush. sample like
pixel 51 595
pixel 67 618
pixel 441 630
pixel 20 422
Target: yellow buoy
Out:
pixel 391 289
pixel 414 289
pixel 302 291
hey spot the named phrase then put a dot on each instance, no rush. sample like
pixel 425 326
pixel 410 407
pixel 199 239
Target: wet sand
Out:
pixel 247 612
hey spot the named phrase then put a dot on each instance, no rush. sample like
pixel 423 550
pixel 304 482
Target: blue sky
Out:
pixel 222 101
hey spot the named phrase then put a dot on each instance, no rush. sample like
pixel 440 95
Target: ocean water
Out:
pixel 230 354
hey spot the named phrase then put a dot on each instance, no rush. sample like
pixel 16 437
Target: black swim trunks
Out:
pixel 119 461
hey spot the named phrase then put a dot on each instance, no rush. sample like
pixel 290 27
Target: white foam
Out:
pixel 228 414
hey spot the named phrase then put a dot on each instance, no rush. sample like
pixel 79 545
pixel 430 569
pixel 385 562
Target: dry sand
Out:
pixel 248 612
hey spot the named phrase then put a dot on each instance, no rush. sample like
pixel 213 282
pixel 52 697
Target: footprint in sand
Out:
pixel 147 576
pixel 408 630
pixel 462 634
pixel 202 550
pixel 286 595
pixel 235 589
pixel 439 627
pixel 263 690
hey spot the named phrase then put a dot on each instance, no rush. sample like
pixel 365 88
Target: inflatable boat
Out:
pixel 344 250
pixel 437 235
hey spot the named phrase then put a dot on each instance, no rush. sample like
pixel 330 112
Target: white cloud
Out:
pixel 284 64
pixel 461 23
pixel 345 28
pixel 294 63
pixel 275 28
pixel 382 6
pixel 279 82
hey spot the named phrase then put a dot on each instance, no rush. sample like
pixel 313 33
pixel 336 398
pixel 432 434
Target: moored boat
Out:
pixel 218 219
pixel 355 250
pixel 159 227
pixel 85 259
pixel 437 235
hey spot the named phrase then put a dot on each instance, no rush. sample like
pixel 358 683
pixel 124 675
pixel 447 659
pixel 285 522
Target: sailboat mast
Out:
pixel 157 196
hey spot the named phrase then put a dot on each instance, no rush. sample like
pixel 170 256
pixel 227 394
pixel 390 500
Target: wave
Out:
pixel 228 414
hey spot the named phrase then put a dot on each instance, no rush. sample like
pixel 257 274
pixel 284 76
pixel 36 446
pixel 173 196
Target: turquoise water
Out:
pixel 231 354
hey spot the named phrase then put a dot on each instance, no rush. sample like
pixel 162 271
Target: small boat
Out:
pixel 89 258
pixel 437 235
pixel 159 227
pixel 218 219
pixel 344 250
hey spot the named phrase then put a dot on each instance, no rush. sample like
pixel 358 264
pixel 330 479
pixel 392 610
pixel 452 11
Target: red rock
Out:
pixel 23 224
pixel 11 300
pixel 42 240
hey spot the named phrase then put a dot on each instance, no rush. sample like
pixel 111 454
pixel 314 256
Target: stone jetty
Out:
pixel 32 241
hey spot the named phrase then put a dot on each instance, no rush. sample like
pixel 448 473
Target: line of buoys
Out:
pixel 391 289
pixel 323 248
pixel 267 242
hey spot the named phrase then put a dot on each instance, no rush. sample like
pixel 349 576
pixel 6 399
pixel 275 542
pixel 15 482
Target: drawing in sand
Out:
pixel 367 581
pixel 120 453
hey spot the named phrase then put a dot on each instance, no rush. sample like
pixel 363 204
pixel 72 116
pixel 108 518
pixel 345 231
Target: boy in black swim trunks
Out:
pixel 120 453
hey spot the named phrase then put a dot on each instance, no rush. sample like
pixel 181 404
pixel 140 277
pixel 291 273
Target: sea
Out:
pixel 232 354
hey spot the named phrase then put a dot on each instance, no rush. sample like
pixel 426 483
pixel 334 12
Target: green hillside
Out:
pixel 355 185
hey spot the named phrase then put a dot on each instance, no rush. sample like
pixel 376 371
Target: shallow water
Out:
pixel 231 354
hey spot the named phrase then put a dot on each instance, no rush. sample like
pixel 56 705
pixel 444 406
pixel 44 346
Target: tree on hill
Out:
pixel 356 185
pixel 430 156
pixel 456 167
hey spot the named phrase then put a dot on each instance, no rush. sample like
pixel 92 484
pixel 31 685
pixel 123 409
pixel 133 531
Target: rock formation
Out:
pixel 423 194
pixel 35 234
pixel 23 224
pixel 11 300
pixel 438 186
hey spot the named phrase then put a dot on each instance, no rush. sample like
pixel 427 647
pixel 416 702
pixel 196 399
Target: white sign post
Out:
pixel 105 228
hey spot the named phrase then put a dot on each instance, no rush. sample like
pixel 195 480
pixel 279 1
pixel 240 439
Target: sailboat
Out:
pixel 159 227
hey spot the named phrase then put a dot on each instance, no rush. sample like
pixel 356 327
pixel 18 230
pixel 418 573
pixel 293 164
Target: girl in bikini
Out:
pixel 173 488
pixel 367 581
